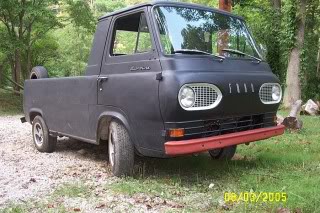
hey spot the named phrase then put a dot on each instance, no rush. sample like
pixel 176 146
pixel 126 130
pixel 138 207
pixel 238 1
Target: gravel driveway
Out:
pixel 28 174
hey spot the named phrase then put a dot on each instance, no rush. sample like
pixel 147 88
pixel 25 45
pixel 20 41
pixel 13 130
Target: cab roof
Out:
pixel 168 3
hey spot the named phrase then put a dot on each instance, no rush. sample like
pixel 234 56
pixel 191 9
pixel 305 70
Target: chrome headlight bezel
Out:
pixel 275 91
pixel 194 86
pixel 191 94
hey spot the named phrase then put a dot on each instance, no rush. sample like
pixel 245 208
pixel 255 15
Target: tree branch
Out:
pixel 12 81
pixel 16 92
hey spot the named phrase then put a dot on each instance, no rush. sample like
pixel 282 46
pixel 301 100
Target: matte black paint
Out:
pixel 144 100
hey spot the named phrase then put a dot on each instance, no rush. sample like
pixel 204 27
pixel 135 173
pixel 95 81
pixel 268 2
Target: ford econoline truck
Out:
pixel 163 79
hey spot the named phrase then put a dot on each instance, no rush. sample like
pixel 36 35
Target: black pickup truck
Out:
pixel 163 79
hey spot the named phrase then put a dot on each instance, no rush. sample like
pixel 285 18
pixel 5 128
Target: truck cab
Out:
pixel 163 79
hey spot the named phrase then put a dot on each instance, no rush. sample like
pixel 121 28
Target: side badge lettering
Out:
pixel 134 68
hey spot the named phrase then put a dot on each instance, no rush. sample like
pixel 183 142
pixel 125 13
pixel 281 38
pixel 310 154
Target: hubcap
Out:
pixel 111 148
pixel 38 134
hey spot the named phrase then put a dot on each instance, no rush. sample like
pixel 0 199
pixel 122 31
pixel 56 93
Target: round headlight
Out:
pixel 186 97
pixel 276 93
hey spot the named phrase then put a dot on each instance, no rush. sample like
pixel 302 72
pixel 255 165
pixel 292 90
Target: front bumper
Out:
pixel 215 142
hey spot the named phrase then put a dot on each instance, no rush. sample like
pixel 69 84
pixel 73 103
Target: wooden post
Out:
pixel 223 36
pixel 225 5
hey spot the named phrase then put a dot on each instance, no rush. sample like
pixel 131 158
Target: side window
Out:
pixel 131 35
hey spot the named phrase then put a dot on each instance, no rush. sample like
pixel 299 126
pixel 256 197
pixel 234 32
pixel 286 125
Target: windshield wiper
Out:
pixel 194 51
pixel 241 53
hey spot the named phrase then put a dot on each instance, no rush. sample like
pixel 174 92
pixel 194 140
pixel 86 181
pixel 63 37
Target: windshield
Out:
pixel 195 29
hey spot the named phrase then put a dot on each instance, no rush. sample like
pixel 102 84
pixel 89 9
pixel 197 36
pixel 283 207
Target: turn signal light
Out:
pixel 175 133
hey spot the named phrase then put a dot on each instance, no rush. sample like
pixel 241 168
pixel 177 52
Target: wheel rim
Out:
pixel 215 152
pixel 111 148
pixel 38 134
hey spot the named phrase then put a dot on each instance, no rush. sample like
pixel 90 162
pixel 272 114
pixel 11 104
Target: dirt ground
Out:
pixel 26 174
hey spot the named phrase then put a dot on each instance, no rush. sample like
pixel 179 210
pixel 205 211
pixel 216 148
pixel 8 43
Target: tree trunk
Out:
pixel 17 68
pixel 318 60
pixel 293 89
pixel 1 74
pixel 276 4
pixel 27 73
pixel 273 42
pixel 292 121
pixel 223 36
pixel 28 52
pixel 13 69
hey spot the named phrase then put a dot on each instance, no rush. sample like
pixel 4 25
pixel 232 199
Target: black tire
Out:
pixel 38 72
pixel 41 138
pixel 224 153
pixel 120 150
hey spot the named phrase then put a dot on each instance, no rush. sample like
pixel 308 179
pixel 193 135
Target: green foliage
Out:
pixel 102 7
pixel 44 50
pixel 276 29
pixel 71 57
pixel 62 32
pixel 81 15
pixel 310 77
pixel 258 14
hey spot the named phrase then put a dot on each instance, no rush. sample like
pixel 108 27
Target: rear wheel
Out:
pixel 223 153
pixel 120 150
pixel 41 138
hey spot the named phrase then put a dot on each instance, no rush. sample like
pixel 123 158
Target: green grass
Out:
pixel 289 163
pixel 10 104
pixel 72 190
pixel 14 208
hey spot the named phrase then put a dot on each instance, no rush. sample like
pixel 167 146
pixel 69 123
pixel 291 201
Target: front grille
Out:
pixel 265 93
pixel 205 95
pixel 207 128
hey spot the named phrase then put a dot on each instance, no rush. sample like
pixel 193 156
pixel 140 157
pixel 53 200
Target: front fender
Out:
pixel 109 113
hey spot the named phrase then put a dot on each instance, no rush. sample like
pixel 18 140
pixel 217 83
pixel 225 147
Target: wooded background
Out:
pixel 58 35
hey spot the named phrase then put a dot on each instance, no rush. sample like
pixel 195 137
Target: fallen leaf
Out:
pixel 174 204
pixel 282 210
pixel 149 206
pixel 225 207
pixel 100 206
pixel 297 210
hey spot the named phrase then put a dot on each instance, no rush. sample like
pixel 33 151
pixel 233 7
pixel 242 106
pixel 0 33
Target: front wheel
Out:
pixel 223 153
pixel 41 137
pixel 120 150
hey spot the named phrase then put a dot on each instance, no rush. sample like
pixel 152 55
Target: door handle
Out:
pixel 100 81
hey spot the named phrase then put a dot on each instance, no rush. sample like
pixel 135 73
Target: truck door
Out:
pixel 128 77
